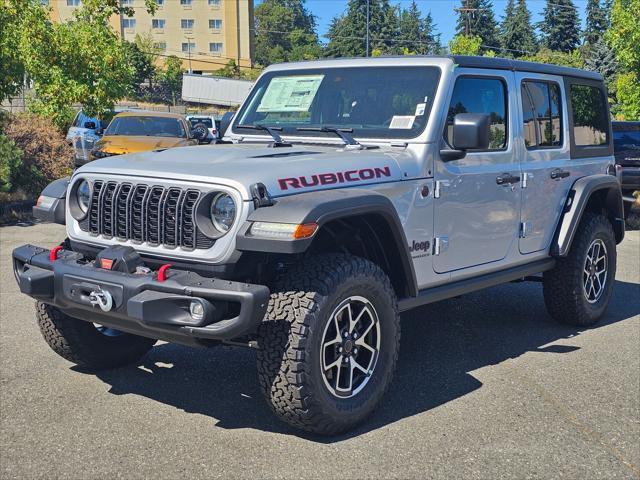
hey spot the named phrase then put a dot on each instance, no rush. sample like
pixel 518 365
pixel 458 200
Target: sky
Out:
pixel 442 12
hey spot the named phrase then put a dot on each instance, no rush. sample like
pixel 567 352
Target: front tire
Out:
pixel 577 291
pixel 329 343
pixel 86 345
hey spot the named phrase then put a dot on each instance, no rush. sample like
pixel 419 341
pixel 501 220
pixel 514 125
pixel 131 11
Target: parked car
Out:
pixel 626 146
pixel 84 125
pixel 355 189
pixel 131 132
pixel 208 124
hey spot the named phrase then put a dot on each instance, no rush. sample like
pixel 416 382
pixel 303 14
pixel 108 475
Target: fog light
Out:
pixel 197 310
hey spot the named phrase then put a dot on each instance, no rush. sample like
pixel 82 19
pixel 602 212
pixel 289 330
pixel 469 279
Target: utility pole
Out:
pixel 189 49
pixel 367 44
pixel 467 11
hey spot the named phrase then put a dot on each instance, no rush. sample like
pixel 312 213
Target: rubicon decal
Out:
pixel 334 178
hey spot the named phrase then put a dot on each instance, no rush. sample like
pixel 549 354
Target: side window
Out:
pixel 542 117
pixel 480 95
pixel 590 124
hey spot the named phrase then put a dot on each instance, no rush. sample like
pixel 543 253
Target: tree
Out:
pixel 600 58
pixel 347 34
pixel 476 18
pixel 11 64
pixel 79 61
pixel 623 37
pixel 465 45
pixel 285 31
pixel 516 31
pixel 171 77
pixel 596 23
pixel 567 59
pixel 416 34
pixel 560 26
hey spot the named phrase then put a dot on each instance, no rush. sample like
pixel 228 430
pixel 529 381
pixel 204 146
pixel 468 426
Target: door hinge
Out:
pixel 525 178
pixel 440 245
pixel 440 184
pixel 525 229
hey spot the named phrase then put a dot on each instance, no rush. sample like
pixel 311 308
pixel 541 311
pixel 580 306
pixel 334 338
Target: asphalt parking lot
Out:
pixel 488 386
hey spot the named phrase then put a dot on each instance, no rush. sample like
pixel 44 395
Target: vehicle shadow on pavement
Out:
pixel 441 345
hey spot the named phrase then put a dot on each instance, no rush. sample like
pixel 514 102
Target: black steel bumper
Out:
pixel 630 179
pixel 141 304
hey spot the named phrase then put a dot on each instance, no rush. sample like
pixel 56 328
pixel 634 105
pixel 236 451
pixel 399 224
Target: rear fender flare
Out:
pixel 606 188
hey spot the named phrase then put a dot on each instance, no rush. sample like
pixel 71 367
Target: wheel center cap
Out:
pixel 347 346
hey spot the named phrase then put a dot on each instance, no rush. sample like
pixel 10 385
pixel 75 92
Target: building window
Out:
pixel 215 48
pixel 185 2
pixel 188 47
pixel 129 23
pixel 162 46
pixel 160 3
pixel 590 124
pixel 157 23
pixel 44 3
pixel 480 95
pixel 542 114
pixel 215 24
pixel 126 3
pixel 73 3
pixel 214 3
pixel 187 23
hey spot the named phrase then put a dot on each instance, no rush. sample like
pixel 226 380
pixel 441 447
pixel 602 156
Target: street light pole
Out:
pixel 367 45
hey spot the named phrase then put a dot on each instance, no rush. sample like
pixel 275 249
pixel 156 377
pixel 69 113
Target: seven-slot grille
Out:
pixel 145 213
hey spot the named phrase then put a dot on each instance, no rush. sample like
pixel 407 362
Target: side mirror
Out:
pixel 225 121
pixel 470 132
pixel 90 125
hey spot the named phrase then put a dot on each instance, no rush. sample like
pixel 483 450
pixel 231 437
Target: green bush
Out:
pixel 10 164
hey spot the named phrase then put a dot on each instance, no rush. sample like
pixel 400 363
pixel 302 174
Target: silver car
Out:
pixel 351 190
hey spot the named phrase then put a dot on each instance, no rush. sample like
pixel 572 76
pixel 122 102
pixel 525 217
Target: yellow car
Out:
pixel 131 132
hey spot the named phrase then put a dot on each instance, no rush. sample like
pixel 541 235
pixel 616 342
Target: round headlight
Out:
pixel 83 195
pixel 223 211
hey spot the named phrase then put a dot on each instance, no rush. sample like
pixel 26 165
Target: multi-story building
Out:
pixel 205 34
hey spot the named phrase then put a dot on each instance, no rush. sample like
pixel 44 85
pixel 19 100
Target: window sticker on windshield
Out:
pixel 420 109
pixel 290 94
pixel 402 121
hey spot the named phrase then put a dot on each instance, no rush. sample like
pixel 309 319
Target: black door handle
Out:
pixel 506 178
pixel 559 173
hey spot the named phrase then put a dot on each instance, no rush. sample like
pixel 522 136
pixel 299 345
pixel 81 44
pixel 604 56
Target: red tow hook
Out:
pixel 162 272
pixel 53 254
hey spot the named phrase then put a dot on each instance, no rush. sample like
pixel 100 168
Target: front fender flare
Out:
pixel 322 207
pixel 607 188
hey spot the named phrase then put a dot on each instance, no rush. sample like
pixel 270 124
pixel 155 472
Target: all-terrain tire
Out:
pixel 83 343
pixel 290 341
pixel 563 288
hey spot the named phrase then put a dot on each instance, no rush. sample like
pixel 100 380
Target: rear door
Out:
pixel 476 215
pixel 546 158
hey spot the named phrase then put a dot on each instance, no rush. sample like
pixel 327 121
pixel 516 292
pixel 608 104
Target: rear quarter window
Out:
pixel 590 122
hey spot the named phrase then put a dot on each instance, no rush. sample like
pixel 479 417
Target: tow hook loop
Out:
pixel 53 254
pixel 162 272
pixel 102 299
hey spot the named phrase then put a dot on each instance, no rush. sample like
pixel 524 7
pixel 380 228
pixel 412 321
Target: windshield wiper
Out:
pixel 277 139
pixel 343 133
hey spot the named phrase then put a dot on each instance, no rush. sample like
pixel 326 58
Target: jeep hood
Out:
pixel 284 171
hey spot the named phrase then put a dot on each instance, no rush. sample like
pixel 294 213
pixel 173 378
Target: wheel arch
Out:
pixel 359 222
pixel 595 193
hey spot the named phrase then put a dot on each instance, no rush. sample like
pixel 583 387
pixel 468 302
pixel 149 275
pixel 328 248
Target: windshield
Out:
pixel 146 126
pixel 372 102
pixel 199 120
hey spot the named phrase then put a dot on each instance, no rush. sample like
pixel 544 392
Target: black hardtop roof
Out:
pixel 521 66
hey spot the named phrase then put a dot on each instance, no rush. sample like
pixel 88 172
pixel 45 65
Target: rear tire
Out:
pixel 88 346
pixel 319 371
pixel 577 291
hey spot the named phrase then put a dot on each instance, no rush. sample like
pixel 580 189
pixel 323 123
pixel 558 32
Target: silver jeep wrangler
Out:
pixel 348 191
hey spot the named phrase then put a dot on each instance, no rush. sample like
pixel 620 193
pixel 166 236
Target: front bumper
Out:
pixel 141 304
pixel 630 179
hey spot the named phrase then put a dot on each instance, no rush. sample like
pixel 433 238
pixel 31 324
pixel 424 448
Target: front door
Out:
pixel 477 209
